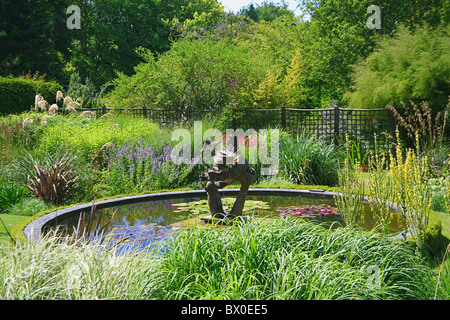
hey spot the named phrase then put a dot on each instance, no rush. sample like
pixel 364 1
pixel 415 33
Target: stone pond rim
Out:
pixel 34 229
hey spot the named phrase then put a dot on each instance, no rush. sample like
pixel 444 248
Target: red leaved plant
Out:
pixel 53 185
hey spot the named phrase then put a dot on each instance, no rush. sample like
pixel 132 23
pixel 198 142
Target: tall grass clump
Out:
pixel 350 201
pixel 290 259
pixel 282 259
pixel 18 132
pixel 56 269
pixel 306 159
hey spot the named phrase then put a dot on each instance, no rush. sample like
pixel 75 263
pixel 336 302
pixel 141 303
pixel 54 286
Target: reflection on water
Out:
pixel 149 224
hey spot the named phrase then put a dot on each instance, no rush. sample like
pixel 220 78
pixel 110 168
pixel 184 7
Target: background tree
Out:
pixel 266 11
pixel 34 37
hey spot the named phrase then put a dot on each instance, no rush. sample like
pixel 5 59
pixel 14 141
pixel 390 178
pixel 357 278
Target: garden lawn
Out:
pixel 10 221
pixel 445 220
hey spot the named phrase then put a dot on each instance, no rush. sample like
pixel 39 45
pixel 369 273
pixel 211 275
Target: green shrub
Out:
pixel 18 94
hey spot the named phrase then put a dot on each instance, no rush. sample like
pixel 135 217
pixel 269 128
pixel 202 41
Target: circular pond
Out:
pixel 145 221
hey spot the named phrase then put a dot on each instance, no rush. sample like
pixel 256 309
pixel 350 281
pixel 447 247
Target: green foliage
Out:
pixel 92 97
pixel 266 11
pixel 305 159
pixel 290 260
pixel 84 135
pixel 199 74
pixel 29 206
pixel 18 94
pixel 410 66
pixel 423 128
pixel 11 194
pixel 35 37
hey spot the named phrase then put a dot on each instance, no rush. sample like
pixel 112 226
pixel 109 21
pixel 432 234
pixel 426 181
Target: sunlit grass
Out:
pixel 280 260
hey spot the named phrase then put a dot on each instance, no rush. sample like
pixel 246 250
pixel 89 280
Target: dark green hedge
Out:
pixel 17 94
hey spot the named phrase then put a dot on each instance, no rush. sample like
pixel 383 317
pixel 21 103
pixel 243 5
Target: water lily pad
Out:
pixel 201 206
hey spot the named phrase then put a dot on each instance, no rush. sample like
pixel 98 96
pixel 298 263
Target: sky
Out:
pixel 235 5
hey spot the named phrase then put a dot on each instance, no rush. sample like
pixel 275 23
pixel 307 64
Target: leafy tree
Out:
pixel 267 11
pixel 111 30
pixel 201 74
pixel 33 37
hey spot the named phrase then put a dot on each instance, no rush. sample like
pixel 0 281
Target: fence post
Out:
pixel 283 116
pixel 103 109
pixel 144 111
pixel 336 123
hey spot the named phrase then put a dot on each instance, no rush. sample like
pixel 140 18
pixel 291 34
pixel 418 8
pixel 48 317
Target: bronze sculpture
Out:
pixel 221 175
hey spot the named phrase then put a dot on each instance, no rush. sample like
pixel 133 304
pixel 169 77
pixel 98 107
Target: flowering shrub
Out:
pixel 138 167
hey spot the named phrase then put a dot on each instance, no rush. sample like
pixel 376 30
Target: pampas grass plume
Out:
pixel 53 108
pixel 59 96
pixel 27 122
pixel 108 115
pixel 67 100
pixel 71 109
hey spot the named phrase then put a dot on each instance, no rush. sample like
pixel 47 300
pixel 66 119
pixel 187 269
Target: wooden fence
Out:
pixel 333 124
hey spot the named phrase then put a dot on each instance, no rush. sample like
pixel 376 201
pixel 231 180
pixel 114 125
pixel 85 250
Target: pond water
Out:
pixel 148 224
